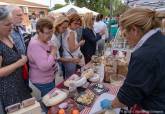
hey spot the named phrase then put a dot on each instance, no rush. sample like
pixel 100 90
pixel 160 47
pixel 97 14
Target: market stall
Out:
pixel 82 91
pixel 103 75
pixel 112 90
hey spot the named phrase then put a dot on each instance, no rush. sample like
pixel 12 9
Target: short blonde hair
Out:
pixel 143 18
pixel 58 21
pixel 88 20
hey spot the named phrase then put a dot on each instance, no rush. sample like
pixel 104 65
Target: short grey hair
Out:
pixel 4 12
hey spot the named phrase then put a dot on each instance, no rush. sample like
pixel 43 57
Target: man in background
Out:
pixel 18 29
pixel 19 35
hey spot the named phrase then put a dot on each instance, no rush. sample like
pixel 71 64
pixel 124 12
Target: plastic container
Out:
pixel 73 91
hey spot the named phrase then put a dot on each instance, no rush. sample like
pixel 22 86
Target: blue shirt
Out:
pixel 17 35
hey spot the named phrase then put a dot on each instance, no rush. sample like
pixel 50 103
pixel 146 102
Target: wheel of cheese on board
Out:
pixel 76 80
pixel 95 78
pixel 54 97
pixel 88 73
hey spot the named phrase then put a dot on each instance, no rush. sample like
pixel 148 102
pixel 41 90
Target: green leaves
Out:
pixel 101 6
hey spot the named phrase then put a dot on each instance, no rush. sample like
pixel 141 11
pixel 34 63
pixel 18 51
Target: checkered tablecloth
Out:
pixel 113 89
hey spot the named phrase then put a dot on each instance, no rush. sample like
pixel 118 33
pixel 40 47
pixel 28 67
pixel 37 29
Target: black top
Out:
pixel 91 39
pixel 12 87
pixel 145 81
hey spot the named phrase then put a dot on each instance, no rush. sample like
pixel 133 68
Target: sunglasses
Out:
pixel 78 23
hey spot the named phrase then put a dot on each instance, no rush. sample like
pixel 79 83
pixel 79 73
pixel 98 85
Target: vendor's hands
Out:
pixel 106 104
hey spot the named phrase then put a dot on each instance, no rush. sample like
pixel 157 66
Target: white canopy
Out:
pixel 86 10
pixel 69 7
pixel 3 3
pixel 66 8
pixel 161 9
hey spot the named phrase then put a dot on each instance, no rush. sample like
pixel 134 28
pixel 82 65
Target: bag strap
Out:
pixel 69 53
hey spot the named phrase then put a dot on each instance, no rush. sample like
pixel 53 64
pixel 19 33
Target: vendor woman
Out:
pixel 144 85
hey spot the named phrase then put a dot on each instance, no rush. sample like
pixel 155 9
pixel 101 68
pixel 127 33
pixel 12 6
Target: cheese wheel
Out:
pixel 71 80
pixel 88 73
pixel 76 80
pixel 54 98
pixel 95 78
pixel 80 82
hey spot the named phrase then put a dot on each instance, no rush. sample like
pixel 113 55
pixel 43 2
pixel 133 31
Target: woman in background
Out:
pixel 58 40
pixel 90 37
pixel 101 28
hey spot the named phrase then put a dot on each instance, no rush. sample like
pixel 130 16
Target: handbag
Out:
pixel 25 72
pixel 77 65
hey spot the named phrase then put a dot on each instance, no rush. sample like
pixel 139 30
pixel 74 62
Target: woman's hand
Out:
pixel 53 50
pixel 7 70
pixel 82 42
pixel 22 61
pixel 76 60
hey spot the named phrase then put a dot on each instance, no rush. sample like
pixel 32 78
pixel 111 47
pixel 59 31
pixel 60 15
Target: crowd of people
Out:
pixel 67 42
pixel 60 43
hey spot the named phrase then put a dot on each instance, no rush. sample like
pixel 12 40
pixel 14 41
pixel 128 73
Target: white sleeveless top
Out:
pixel 66 47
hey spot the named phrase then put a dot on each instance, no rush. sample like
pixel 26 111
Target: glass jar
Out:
pixel 73 93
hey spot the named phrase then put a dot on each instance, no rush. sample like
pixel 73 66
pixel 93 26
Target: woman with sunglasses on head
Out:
pixel 12 87
pixel 144 86
pixel 42 57
pixel 90 37
pixel 71 46
pixel 59 40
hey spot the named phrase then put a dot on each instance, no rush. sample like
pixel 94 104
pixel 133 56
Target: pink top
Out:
pixel 42 64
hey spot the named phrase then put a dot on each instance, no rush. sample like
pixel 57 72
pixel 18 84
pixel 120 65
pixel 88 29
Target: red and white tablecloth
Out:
pixel 113 89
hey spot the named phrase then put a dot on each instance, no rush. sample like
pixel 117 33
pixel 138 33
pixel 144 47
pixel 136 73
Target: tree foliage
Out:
pixel 57 6
pixel 101 6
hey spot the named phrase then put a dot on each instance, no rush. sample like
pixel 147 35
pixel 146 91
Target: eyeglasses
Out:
pixel 78 24
pixel 18 106
pixel 48 32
